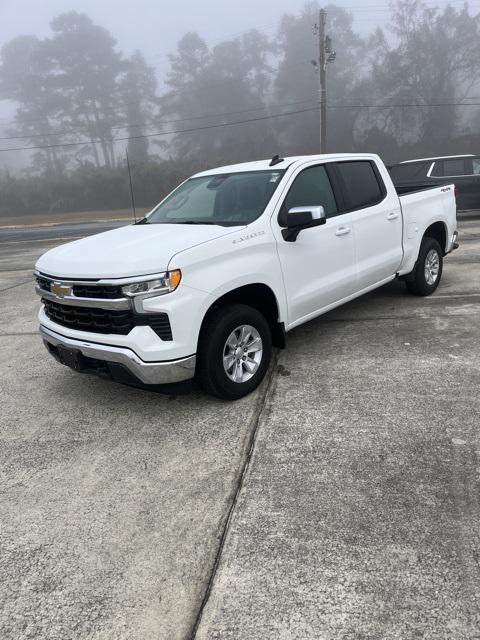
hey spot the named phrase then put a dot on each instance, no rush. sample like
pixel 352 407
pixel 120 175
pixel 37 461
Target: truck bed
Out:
pixel 421 207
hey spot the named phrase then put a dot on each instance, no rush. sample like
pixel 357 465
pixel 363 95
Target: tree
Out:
pixel 225 84
pixel 137 91
pixel 85 67
pixel 433 64
pixel 67 88
pixel 25 77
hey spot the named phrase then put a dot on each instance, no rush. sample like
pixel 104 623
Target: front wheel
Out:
pixel 425 278
pixel 234 351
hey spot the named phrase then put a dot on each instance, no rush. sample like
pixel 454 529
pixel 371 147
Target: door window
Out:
pixel 363 188
pixel 311 188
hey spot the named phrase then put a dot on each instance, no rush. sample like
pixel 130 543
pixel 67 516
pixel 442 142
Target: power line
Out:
pixel 227 124
pixel 398 106
pixel 162 122
pixel 159 99
pixel 225 38
pixel 161 133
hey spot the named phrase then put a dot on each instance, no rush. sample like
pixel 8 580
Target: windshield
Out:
pixel 227 199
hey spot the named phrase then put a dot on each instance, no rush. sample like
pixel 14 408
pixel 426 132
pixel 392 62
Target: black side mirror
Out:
pixel 300 218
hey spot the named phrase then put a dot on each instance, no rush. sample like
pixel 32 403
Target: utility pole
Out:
pixel 326 55
pixel 322 69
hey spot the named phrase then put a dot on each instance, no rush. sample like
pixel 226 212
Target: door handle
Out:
pixel 392 216
pixel 342 231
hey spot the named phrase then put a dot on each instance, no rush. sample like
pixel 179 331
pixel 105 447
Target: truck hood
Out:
pixel 134 250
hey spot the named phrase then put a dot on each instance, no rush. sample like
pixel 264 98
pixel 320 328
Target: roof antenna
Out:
pixel 275 160
pixel 131 186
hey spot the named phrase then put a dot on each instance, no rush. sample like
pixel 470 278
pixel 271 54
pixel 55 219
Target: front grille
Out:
pixel 109 292
pixel 84 290
pixel 89 318
pixel 43 283
pixel 106 321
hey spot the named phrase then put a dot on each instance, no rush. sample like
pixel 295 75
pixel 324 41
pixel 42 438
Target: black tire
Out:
pixel 217 327
pixel 416 282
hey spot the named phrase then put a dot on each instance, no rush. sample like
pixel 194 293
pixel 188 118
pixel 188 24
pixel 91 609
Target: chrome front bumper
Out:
pixel 146 373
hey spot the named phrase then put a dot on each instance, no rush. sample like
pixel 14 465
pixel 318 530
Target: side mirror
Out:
pixel 299 218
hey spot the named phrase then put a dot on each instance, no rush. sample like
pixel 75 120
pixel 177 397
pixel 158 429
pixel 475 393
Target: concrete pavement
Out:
pixel 112 499
pixel 359 514
pixel 338 502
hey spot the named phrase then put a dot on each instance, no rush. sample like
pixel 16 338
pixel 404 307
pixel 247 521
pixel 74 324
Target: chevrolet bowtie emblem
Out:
pixel 60 290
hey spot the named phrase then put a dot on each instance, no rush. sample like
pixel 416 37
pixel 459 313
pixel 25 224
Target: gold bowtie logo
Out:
pixel 60 290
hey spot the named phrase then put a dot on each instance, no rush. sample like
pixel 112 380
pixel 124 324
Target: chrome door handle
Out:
pixel 342 231
pixel 392 216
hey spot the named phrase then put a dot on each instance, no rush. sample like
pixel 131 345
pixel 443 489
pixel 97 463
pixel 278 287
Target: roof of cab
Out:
pixel 264 165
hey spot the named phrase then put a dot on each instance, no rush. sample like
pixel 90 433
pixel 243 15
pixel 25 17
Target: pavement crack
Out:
pixel 19 333
pixel 20 284
pixel 423 316
pixel 262 404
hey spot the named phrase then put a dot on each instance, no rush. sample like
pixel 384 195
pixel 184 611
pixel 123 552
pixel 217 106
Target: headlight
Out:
pixel 164 283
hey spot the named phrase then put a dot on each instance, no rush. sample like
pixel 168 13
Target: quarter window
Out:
pixel 311 188
pixel 361 184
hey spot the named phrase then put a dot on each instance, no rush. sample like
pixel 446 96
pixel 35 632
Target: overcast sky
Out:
pixel 155 26
pixel 152 26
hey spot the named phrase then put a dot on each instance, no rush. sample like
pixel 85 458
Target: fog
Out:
pixel 188 85
pixel 154 27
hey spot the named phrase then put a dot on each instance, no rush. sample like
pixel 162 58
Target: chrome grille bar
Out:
pixel 100 303
pixel 62 291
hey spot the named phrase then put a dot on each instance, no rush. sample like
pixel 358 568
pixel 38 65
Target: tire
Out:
pixel 220 358
pixel 427 273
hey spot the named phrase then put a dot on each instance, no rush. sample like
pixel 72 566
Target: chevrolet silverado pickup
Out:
pixel 232 260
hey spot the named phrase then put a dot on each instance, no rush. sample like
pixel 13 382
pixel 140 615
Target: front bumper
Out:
pixel 119 363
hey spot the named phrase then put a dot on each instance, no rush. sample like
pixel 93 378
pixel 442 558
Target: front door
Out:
pixel 318 268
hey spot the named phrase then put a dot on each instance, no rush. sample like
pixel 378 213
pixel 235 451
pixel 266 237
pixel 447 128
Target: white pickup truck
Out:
pixel 233 259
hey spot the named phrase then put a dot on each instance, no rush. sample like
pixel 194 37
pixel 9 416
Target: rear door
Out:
pixel 376 218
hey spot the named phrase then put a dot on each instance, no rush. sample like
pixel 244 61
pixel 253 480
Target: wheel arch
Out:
pixel 259 296
pixel 438 231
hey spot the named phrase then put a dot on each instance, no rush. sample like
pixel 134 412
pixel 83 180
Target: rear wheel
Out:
pixel 234 351
pixel 426 276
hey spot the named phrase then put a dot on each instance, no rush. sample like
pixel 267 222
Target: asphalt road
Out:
pixel 338 502
pixel 20 247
